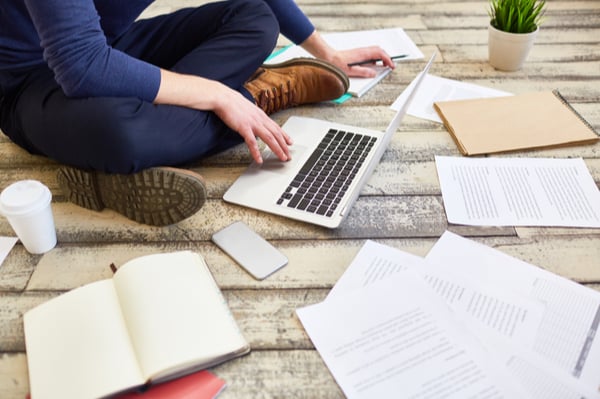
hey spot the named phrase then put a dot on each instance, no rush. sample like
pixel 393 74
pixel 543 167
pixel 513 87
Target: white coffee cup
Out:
pixel 26 205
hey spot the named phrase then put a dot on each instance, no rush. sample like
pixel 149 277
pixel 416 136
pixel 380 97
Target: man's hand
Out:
pixel 343 58
pixel 230 106
pixel 250 122
pixel 317 46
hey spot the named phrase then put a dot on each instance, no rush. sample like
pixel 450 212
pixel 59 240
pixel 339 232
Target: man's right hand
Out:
pixel 230 106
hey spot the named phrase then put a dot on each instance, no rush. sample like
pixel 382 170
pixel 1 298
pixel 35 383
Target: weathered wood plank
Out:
pixel 312 263
pixel 13 306
pixel 431 8
pixel 260 374
pixel 576 18
pixel 528 232
pixel 267 374
pixel 17 268
pixel 409 145
pixel 475 22
pixel 480 36
pixel 14 379
pixel 374 217
pixel 563 59
pixel 397 174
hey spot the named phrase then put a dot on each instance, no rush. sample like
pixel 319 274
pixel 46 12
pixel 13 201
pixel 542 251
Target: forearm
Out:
pixel 190 91
pixel 318 47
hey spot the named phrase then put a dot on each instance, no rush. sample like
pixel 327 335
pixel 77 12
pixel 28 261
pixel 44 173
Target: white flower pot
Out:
pixel 508 51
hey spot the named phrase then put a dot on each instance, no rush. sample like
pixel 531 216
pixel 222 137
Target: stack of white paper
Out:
pixel 466 321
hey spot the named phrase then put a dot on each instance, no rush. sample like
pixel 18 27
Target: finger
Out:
pixel 283 139
pixel 377 53
pixel 276 138
pixel 276 141
pixel 252 145
pixel 386 59
pixel 362 72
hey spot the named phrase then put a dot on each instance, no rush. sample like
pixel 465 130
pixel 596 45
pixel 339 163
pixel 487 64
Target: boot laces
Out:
pixel 277 98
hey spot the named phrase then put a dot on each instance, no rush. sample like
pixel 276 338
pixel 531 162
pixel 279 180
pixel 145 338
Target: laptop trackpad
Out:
pixel 272 164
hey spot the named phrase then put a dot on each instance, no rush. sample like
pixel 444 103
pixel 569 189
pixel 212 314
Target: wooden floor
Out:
pixel 401 206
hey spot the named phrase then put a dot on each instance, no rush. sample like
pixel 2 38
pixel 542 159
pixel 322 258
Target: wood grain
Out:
pixel 400 206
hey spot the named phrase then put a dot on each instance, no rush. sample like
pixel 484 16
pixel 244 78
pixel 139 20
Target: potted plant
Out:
pixel 514 24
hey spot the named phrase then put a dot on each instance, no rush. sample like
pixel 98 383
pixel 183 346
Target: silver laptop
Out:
pixel 330 164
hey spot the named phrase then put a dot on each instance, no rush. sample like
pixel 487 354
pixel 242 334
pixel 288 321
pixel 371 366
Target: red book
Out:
pixel 200 385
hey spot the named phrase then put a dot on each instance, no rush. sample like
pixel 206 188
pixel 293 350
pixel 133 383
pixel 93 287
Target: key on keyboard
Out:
pixel 325 177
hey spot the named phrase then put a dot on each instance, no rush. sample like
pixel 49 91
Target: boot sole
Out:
pixel 157 196
pixel 303 61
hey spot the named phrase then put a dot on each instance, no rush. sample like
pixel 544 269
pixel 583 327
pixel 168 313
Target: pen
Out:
pixel 372 61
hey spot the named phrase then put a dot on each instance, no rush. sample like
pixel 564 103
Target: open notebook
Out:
pixel 330 164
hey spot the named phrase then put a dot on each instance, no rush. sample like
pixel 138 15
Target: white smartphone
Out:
pixel 255 254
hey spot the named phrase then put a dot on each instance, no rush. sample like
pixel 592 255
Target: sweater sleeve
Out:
pixel 293 23
pixel 75 48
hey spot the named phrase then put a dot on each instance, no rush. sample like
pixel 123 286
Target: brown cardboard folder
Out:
pixel 524 121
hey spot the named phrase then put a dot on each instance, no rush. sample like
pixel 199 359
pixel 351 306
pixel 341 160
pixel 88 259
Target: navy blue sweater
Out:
pixel 73 37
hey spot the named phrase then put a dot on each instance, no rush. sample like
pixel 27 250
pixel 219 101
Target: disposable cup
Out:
pixel 26 204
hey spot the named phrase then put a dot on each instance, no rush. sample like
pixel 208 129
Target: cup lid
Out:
pixel 23 197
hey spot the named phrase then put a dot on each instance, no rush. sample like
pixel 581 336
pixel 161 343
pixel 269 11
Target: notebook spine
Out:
pixel 568 105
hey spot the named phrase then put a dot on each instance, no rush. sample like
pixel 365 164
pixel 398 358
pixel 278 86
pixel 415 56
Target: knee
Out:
pixel 267 22
pixel 260 21
pixel 115 150
pixel 115 142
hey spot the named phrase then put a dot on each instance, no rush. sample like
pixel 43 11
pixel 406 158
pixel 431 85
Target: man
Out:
pixel 122 100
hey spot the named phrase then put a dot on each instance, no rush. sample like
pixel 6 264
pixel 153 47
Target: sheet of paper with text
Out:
pixel 518 192
pixel 397 334
pixel 567 338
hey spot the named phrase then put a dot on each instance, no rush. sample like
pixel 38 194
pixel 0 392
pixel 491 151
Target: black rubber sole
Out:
pixel 157 196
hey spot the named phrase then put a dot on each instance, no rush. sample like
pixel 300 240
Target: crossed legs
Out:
pixel 225 41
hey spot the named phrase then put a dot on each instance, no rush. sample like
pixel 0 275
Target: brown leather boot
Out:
pixel 157 196
pixel 295 82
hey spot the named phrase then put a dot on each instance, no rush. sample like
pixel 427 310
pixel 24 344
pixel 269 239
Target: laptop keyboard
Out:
pixel 325 177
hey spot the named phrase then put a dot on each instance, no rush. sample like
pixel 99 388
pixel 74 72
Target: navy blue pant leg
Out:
pixel 225 41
